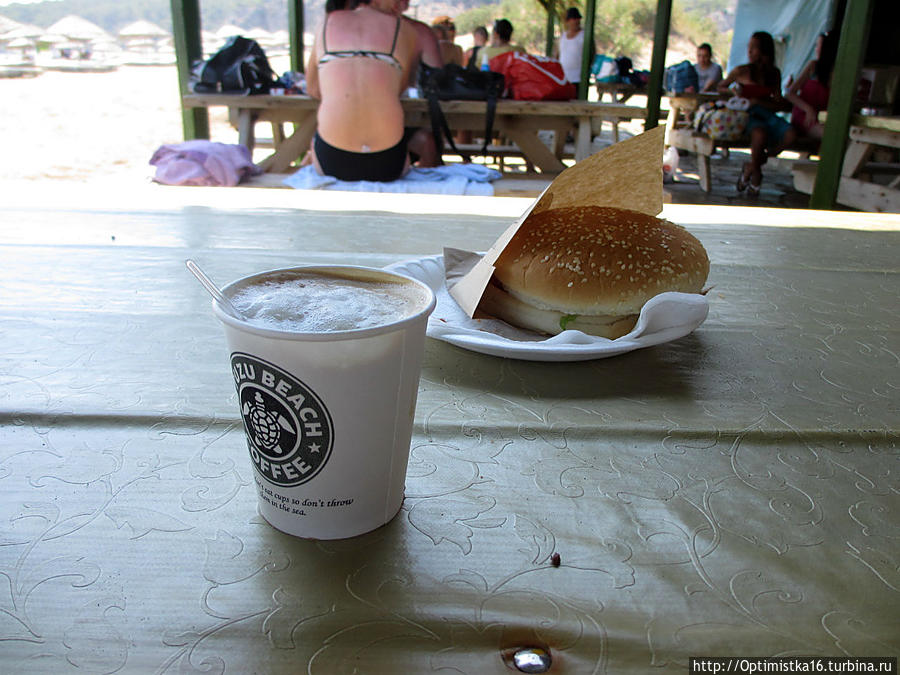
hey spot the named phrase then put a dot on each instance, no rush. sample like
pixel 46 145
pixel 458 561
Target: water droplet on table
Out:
pixel 532 660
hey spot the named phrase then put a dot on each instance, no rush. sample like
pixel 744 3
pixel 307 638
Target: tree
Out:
pixel 621 27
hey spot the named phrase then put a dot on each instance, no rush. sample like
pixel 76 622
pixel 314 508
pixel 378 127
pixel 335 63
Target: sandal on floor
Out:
pixel 742 183
pixel 753 190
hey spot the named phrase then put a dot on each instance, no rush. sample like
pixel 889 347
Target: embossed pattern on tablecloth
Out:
pixel 732 492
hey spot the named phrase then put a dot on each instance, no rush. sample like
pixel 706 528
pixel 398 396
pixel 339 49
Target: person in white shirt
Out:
pixel 570 46
pixel 709 74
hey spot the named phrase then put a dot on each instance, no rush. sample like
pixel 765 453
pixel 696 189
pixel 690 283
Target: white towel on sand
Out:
pixel 451 179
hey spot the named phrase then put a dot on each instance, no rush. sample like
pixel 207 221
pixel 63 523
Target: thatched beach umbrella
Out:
pixel 54 39
pixel 261 35
pixel 27 54
pixel 228 30
pixel 26 47
pixel 143 36
pixel 7 24
pixel 23 30
pixel 281 38
pixel 79 30
pixel 143 30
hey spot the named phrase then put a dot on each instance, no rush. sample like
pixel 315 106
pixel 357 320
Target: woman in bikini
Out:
pixel 760 82
pixel 361 62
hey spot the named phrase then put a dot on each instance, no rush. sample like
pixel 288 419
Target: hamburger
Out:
pixel 591 268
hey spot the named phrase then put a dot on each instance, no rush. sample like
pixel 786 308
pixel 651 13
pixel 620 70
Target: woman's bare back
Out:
pixel 360 63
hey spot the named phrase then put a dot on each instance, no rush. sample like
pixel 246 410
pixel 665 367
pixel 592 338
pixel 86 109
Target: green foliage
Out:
pixel 617 33
pixel 622 27
pixel 528 17
pixel 471 19
pixel 698 28
pixel 706 7
pixel 529 20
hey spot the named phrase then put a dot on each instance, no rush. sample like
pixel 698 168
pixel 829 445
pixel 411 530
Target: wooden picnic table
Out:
pixel 682 106
pixel 860 185
pixel 681 134
pixel 519 121
pixel 619 92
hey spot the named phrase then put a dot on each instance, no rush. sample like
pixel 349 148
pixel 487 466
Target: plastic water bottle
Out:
pixel 484 61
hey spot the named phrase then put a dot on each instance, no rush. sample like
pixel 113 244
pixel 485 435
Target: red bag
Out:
pixel 533 78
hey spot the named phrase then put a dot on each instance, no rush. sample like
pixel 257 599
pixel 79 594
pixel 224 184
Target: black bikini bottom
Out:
pixel 384 165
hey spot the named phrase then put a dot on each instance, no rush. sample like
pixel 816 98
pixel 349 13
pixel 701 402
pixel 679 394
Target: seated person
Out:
pixel 428 50
pixel 809 92
pixel 360 64
pixel 450 51
pixel 709 74
pixel 473 54
pixel 760 82
pixel 451 32
pixel 472 59
pixel 500 41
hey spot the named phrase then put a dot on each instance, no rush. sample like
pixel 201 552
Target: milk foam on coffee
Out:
pixel 310 302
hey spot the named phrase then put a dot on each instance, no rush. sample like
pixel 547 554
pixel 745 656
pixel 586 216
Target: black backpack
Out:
pixel 455 83
pixel 240 67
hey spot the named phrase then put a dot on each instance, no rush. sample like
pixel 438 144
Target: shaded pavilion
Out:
pixel 854 16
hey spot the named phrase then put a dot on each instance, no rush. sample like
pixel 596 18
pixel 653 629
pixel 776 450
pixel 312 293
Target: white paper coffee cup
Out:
pixel 328 415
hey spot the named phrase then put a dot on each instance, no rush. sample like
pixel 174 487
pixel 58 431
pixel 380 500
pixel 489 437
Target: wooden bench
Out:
pixel 680 134
pixel 870 174
pixel 619 92
pixel 498 154
pixel 705 147
pixel 518 121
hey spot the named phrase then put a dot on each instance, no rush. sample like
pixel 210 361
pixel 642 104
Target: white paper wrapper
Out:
pixel 620 175
pixel 666 317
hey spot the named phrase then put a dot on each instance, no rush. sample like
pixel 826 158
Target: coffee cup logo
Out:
pixel 289 430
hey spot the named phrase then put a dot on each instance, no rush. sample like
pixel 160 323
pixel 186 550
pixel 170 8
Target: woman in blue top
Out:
pixel 361 62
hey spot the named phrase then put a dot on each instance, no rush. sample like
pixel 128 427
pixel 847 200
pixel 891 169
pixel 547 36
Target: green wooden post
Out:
pixel 590 17
pixel 188 48
pixel 851 50
pixel 295 29
pixel 658 62
pixel 551 23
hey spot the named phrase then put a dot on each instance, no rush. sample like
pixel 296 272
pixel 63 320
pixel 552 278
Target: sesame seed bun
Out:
pixel 591 268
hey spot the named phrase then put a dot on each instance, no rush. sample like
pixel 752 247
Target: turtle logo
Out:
pixel 265 426
pixel 289 430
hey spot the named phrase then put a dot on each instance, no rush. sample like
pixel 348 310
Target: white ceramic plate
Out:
pixel 666 317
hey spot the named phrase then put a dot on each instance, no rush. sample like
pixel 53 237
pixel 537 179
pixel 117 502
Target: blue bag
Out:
pixel 605 69
pixel 681 76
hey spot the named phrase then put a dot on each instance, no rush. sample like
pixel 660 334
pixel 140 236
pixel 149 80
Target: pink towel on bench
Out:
pixel 201 162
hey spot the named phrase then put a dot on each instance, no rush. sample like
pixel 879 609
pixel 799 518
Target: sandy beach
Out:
pixel 69 128
pixel 92 127
pixel 96 127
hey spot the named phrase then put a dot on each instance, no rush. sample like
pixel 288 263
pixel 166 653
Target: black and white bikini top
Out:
pixel 387 58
